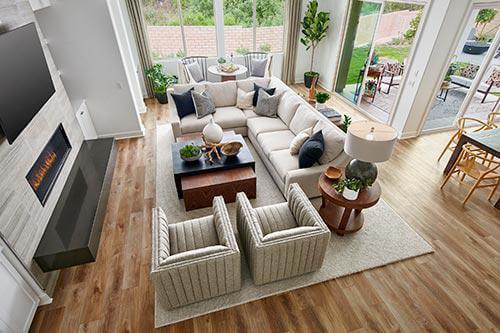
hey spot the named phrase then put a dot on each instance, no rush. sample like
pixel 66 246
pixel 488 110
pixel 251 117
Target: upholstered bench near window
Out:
pixel 284 240
pixel 196 259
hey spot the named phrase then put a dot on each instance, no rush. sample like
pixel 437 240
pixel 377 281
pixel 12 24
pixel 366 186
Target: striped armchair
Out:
pixel 283 240
pixel 196 259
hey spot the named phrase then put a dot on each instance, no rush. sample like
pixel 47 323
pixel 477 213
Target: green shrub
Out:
pixel 322 97
pixel 266 47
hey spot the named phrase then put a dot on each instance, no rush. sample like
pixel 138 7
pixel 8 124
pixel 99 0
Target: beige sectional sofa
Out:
pixel 270 137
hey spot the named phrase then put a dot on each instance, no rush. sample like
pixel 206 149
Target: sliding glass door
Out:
pixel 377 46
pixel 471 85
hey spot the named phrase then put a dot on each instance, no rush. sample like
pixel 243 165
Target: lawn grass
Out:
pixel 360 54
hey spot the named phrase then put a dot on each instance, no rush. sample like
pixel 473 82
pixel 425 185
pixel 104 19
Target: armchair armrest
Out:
pixel 223 224
pixel 173 116
pixel 302 209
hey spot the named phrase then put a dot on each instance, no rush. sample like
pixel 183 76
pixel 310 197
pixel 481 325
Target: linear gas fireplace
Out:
pixel 43 174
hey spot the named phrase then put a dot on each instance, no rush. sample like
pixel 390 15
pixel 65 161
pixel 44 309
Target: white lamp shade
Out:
pixel 369 141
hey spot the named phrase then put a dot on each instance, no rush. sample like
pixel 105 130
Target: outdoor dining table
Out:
pixel 488 140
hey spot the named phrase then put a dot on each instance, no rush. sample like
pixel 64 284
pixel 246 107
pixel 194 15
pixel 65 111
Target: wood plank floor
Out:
pixel 455 289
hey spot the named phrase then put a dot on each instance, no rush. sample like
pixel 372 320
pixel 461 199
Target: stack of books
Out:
pixel 331 114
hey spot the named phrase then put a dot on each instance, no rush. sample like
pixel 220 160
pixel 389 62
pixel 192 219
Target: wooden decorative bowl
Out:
pixel 333 173
pixel 231 148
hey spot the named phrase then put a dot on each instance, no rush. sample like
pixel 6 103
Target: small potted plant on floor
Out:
pixel 346 122
pixel 190 153
pixel 314 28
pixel 161 82
pixel 321 98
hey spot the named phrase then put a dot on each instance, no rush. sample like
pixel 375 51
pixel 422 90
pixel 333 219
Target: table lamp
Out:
pixel 368 142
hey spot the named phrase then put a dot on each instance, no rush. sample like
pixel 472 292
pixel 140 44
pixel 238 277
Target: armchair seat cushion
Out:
pixel 191 123
pixel 230 117
pixel 271 141
pixel 259 125
pixel 191 235
pixel 275 218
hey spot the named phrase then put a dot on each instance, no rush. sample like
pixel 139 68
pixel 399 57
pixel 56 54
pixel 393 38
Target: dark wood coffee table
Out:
pixel 199 182
pixel 341 215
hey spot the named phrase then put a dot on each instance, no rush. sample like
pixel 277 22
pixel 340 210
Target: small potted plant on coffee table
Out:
pixel 190 153
pixel 321 98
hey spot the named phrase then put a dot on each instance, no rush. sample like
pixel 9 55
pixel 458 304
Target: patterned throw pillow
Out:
pixel 267 105
pixel 244 99
pixel 470 71
pixel 258 88
pixel 203 104
pixel 494 78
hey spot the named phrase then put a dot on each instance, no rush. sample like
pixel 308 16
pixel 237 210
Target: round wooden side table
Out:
pixel 341 215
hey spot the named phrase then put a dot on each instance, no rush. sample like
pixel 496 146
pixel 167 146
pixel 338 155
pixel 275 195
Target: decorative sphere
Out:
pixel 212 132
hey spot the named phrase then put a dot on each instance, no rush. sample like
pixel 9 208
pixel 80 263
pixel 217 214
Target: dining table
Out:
pixel 487 140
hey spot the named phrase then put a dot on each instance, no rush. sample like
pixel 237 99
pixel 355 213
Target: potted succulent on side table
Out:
pixel 350 187
pixel 160 82
pixel 314 27
pixel 190 153
pixel 321 98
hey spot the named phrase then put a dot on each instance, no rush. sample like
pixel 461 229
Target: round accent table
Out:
pixel 224 76
pixel 341 215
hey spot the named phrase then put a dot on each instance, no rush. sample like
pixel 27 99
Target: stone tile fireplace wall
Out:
pixel 22 217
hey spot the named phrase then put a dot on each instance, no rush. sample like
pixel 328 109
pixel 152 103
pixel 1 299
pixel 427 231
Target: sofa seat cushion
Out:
pixel 304 118
pixel 275 218
pixel 265 124
pixel 271 141
pixel 283 162
pixel 460 80
pixel 222 93
pixel 191 124
pixel 250 113
pixel 230 117
pixel 192 234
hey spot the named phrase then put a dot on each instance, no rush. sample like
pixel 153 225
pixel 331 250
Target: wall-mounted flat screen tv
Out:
pixel 25 81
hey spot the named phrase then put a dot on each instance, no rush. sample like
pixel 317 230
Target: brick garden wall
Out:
pixel 200 40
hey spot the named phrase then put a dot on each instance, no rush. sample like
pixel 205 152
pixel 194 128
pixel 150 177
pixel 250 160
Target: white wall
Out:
pixel 85 50
pixel 328 51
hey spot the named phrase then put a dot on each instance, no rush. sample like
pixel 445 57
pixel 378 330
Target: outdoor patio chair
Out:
pixel 393 72
pixel 466 76
pixel 187 76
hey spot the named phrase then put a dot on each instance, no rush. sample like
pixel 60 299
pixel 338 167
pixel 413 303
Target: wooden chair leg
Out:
pixel 473 188
pixel 463 177
pixel 447 146
pixel 448 176
pixel 494 189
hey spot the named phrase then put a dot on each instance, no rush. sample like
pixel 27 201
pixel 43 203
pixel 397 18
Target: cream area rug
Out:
pixel 385 238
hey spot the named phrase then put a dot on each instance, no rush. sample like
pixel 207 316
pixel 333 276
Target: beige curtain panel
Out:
pixel 137 20
pixel 292 30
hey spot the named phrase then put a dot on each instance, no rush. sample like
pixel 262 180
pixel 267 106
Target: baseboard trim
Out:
pixel 125 135
pixel 408 135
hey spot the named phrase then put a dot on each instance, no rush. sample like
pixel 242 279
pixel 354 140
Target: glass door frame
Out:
pixel 486 62
pixel 356 105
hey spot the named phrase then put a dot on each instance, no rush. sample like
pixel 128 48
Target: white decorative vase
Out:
pixel 320 106
pixel 350 194
pixel 212 132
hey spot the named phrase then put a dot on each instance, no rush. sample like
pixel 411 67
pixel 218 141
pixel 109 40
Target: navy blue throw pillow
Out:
pixel 184 103
pixel 256 88
pixel 311 150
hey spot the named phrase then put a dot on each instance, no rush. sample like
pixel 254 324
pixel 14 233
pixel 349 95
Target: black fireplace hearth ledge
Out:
pixel 74 229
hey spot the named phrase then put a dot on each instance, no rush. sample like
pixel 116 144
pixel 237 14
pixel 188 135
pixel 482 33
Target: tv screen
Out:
pixel 25 81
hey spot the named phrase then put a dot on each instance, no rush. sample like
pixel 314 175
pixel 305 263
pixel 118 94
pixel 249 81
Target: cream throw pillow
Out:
pixel 299 140
pixel 244 99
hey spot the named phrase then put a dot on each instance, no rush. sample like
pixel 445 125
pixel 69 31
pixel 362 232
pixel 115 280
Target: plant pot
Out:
pixel 320 106
pixel 476 47
pixel 308 78
pixel 350 194
pixel 192 158
pixel 162 98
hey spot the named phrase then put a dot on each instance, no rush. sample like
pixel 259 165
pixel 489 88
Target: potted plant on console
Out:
pixel 160 82
pixel 321 98
pixel 314 27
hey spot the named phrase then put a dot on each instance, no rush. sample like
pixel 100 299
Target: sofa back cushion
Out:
pixel 247 84
pixel 288 105
pixel 223 93
pixel 303 118
pixel 280 86
pixel 181 88
pixel 333 139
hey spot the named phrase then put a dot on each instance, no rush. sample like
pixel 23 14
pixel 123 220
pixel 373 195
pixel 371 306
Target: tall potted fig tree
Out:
pixel 314 27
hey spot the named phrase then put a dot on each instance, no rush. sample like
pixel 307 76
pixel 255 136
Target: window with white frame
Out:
pixel 178 28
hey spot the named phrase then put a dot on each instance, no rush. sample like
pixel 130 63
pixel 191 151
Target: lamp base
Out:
pixel 364 171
